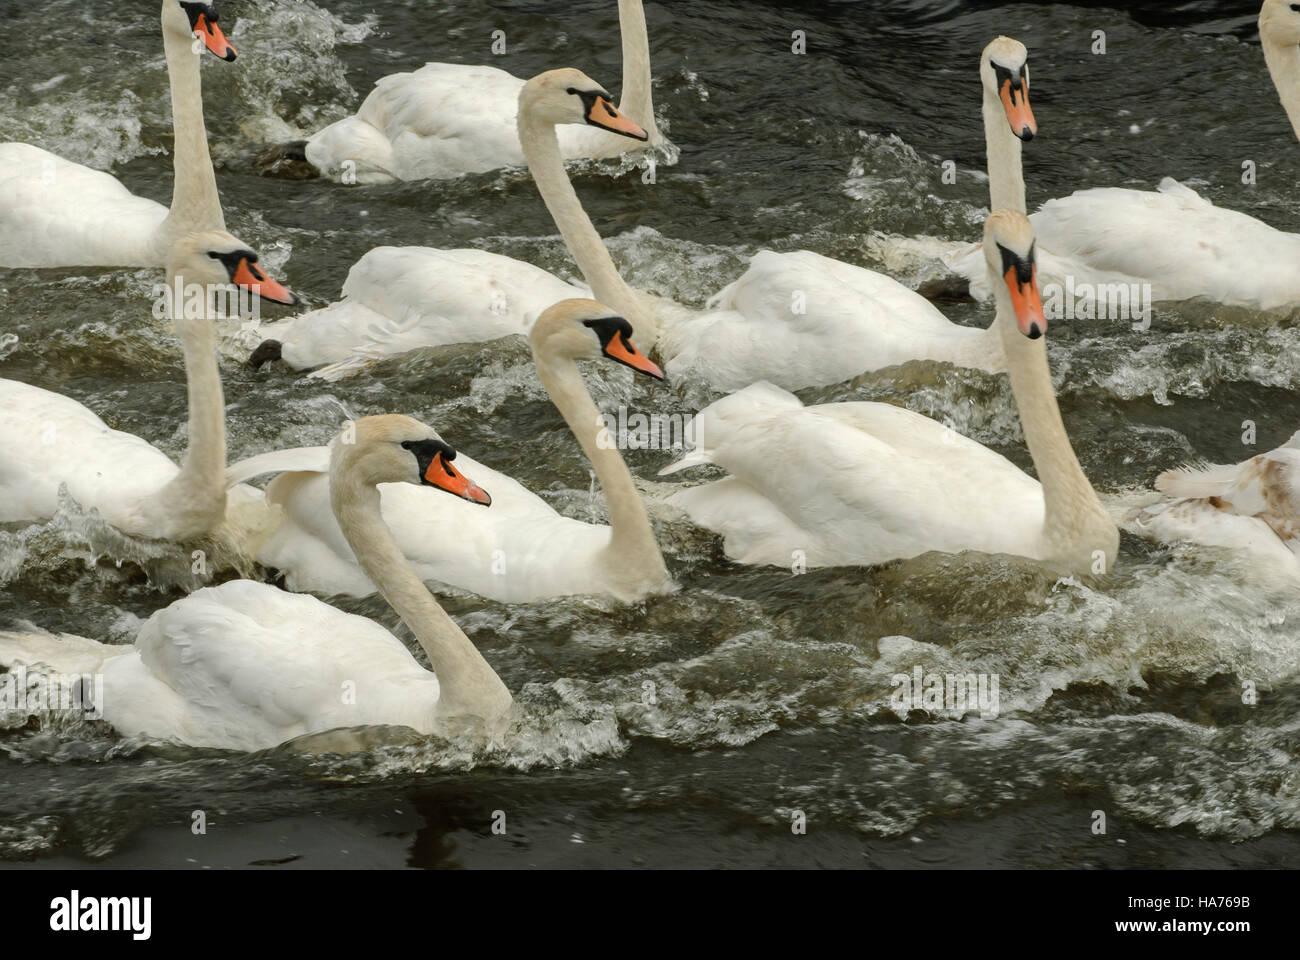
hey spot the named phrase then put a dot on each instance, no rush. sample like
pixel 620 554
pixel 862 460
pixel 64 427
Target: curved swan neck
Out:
pixel 467 684
pixel 632 540
pixel 541 150
pixel 194 502
pixel 1072 511
pixel 1284 67
pixel 196 205
pixel 636 99
pixel 1003 152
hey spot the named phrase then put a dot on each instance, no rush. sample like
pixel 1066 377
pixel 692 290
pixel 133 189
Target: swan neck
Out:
pixel 1071 505
pixel 632 540
pixel 636 100
pixel 1003 152
pixel 467 683
pixel 194 502
pixel 541 150
pixel 1284 67
pixel 196 205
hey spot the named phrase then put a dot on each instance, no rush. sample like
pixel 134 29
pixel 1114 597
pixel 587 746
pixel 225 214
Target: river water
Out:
pixel 693 730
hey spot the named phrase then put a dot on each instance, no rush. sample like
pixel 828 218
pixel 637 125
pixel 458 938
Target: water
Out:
pixel 771 692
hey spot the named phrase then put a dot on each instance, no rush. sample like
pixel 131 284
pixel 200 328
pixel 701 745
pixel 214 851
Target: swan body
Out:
pixel 245 666
pixel 55 213
pixel 1173 240
pixel 1253 506
pixel 53 441
pixel 521 550
pixel 801 319
pixel 863 483
pixel 400 298
pixel 447 119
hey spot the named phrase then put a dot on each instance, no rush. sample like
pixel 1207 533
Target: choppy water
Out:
pixel 771 691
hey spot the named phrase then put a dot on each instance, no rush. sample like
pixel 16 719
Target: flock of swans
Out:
pixel 248 665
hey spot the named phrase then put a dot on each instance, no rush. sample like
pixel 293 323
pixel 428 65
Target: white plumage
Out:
pixel 447 119
pixel 397 299
pixel 1252 507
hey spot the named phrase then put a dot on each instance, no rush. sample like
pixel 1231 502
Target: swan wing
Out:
pixel 865 483
pixel 517 549
pixel 248 666
pixel 1174 239
pixel 801 319
pixel 55 213
pixel 398 299
pixel 50 440
pixel 309 459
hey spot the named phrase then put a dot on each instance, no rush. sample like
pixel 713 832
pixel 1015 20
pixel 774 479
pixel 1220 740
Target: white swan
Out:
pixel 54 213
pixel 396 299
pixel 51 440
pixel 446 119
pixel 863 483
pixel 245 666
pixel 1253 506
pixel 1173 239
pixel 521 550
pixel 803 320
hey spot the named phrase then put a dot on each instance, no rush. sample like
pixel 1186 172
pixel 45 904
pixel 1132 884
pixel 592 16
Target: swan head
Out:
pixel 570 96
pixel 1009 253
pixel 1279 22
pixel 397 449
pixel 1004 69
pixel 586 330
pixel 215 258
pixel 193 18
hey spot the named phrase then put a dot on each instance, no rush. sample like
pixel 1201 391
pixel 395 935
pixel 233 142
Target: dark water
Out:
pixel 771 690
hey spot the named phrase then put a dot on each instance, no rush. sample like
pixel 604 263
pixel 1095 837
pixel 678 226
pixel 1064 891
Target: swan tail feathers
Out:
pixel 1198 481
pixel 62 653
pixel 967 262
pixel 695 458
pixel 293 460
pixel 1175 189
pixel 348 367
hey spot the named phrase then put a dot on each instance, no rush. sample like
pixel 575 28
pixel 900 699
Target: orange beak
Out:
pixel 1016 104
pixel 623 351
pixel 603 114
pixel 249 276
pixel 444 476
pixel 212 37
pixel 1028 304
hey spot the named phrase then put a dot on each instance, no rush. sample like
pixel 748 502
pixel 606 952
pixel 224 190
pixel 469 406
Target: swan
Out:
pixel 397 299
pixel 804 320
pixel 864 483
pixel 521 550
pixel 446 119
pixel 51 440
pixel 1253 506
pixel 246 666
pixel 1173 239
pixel 54 213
